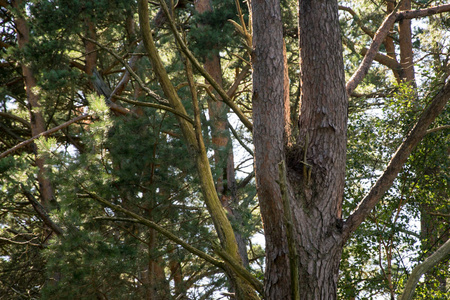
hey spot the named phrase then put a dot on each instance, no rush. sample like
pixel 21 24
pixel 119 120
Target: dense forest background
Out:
pixel 102 189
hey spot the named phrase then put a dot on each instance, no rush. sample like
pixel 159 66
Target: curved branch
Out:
pixel 204 73
pixel 422 268
pixel 378 39
pixel 438 128
pixel 15 118
pixel 386 180
pixel 45 133
pixel 357 20
pixel 160 229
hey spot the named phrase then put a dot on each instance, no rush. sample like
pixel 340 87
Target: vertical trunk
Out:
pixel 316 164
pixel 269 137
pixel 90 48
pixel 223 149
pixel 36 118
pixel 319 184
pixel 406 51
pixel 195 143
pixel 389 42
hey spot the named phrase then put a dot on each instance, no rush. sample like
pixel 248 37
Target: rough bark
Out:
pixel 317 176
pixel 90 48
pixel 268 138
pixel 389 43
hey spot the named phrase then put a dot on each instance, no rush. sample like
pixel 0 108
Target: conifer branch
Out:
pixel 412 14
pixel 42 213
pixel 160 229
pixel 15 118
pixel 378 39
pixel 386 180
pixel 154 105
pixel 202 71
pixel 130 70
pixel 239 269
pixel 45 133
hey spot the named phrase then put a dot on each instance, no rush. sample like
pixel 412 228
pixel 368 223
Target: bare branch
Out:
pixel 381 34
pixel 412 14
pixel 45 133
pixel 378 39
pixel 438 128
pixel 386 180
pixel 154 105
pixel 42 213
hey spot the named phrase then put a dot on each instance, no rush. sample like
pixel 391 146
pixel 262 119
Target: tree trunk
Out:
pixel 268 138
pixel 406 50
pixel 316 164
pixel 36 118
pixel 318 187
pixel 221 140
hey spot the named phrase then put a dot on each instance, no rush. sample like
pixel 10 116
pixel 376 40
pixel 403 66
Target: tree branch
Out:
pixel 383 59
pixel 132 73
pixel 45 133
pixel 378 39
pixel 438 128
pixel 422 268
pixel 154 105
pixel 202 71
pixel 40 210
pixel 16 118
pixel 357 20
pixel 412 14
pixel 386 180
pixel 160 229
pixel 239 269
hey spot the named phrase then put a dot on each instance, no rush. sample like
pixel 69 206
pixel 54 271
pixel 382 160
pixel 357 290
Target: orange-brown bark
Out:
pixel 37 121
pixel 406 50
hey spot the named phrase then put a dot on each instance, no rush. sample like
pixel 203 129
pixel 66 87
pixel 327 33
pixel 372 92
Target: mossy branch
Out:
pixel 288 222
pixel 202 71
pixel 160 229
pixel 154 105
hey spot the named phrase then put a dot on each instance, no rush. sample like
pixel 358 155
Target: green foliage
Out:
pixel 211 32
pixel 140 161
